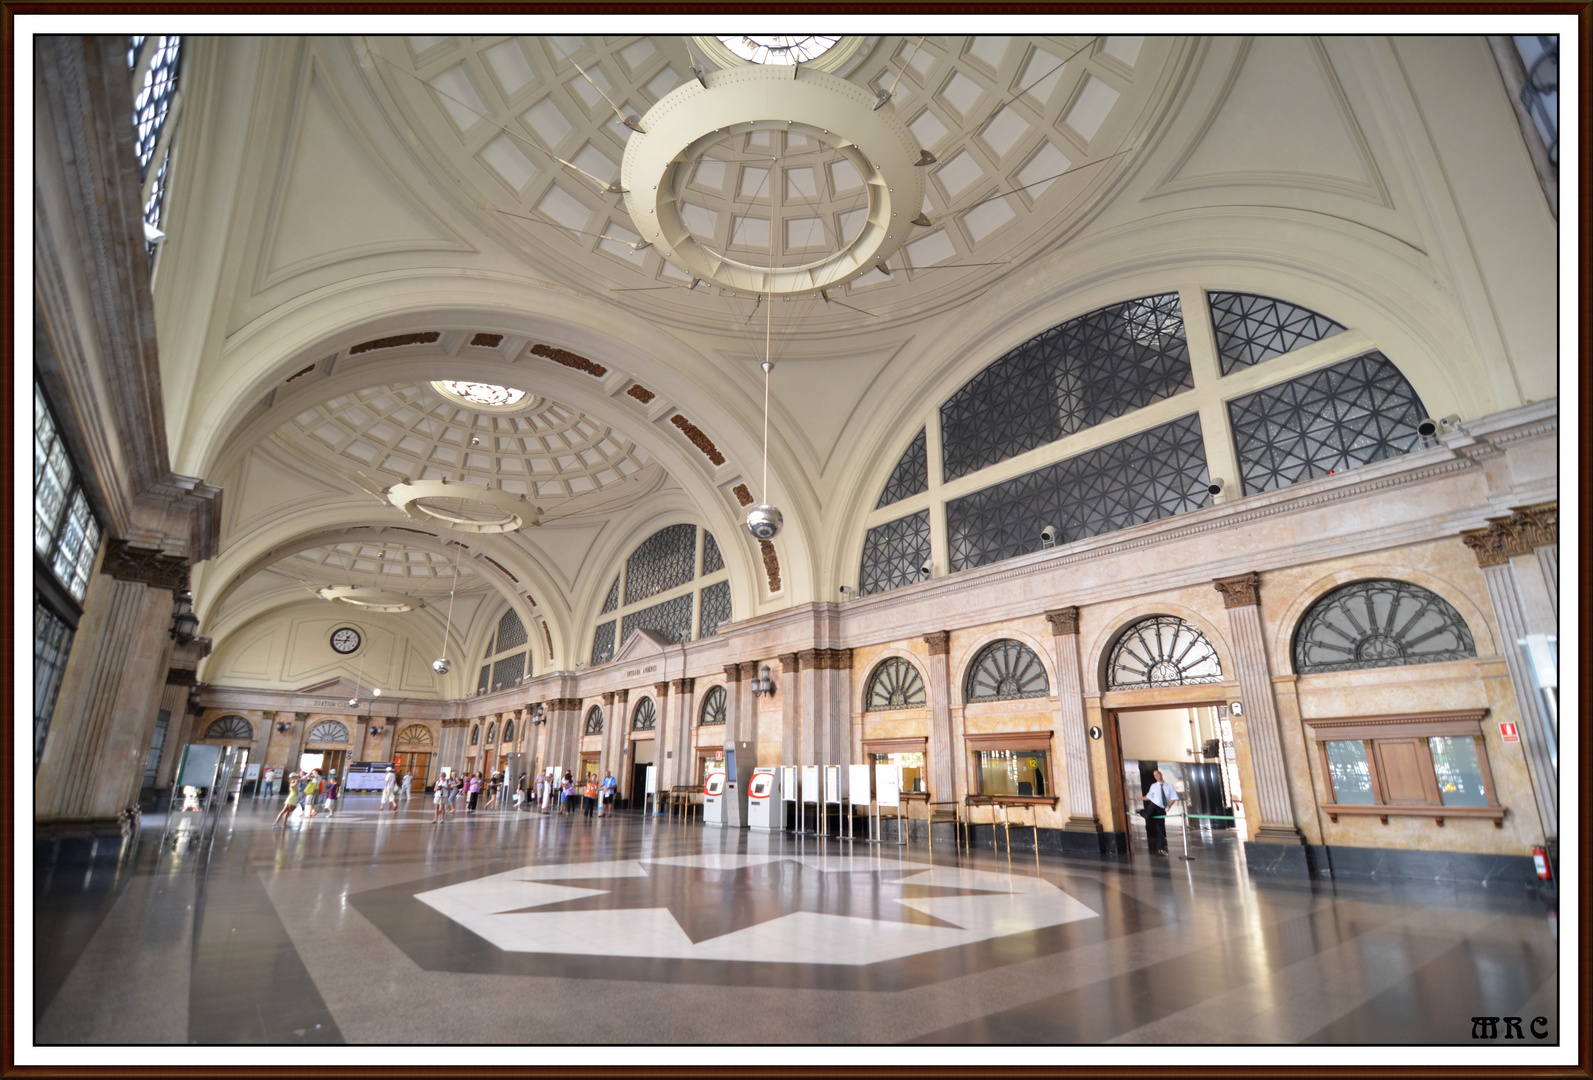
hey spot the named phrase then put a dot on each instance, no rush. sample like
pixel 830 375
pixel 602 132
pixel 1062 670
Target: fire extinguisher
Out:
pixel 1540 859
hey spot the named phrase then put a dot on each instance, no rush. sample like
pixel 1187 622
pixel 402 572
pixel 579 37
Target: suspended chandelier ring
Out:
pixel 369 598
pixel 503 511
pixel 675 134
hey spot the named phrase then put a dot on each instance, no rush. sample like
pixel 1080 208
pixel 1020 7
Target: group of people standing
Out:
pixel 308 793
pixel 596 796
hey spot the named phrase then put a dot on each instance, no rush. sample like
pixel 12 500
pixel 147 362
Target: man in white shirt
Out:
pixel 1159 800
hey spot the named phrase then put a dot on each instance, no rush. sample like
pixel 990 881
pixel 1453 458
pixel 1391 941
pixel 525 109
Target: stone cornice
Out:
pixel 1064 621
pixel 682 686
pixel 733 673
pixel 1242 590
pixel 939 642
pixel 151 566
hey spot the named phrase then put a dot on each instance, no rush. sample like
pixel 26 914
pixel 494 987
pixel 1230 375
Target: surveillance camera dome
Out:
pixel 1048 533
pixel 1215 487
pixel 1427 427
pixel 441 665
pixel 353 702
pixel 765 521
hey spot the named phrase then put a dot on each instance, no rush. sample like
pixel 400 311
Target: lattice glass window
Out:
pixel 1251 329
pixel 157 745
pixel 894 554
pixel 911 475
pixel 1004 670
pixel 662 561
pixel 672 619
pixel 645 718
pixel 508 731
pixel 65 532
pixel 507 672
pixel 613 597
pixel 603 644
pixel 1066 379
pixel 1145 477
pixel 485 680
pixel 713 560
pixel 492 733
pixel 714 705
pixel 152 103
pixel 230 727
pixel 1379 623
pixel 1162 650
pixel 511 632
pixel 327 731
pixel 715 609
pixel 1355 412
pixel 594 720
pixel 895 684
pixel 52 642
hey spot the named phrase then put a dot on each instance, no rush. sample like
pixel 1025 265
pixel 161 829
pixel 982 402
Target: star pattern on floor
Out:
pixel 710 902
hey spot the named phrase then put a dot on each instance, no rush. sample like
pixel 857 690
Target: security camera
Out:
pixel 1427 427
pixel 1450 422
pixel 1048 536
pixel 927 569
pixel 1215 487
pixel 847 590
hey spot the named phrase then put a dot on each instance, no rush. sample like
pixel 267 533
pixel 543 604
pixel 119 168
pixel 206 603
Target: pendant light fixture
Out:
pixel 764 521
pixel 442 665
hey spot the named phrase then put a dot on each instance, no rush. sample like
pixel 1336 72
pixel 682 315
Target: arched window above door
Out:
pixel 1162 650
pixel 1379 623
pixel 713 707
pixel 895 684
pixel 492 732
pixel 415 734
pixel 475 734
pixel 1004 670
pixel 645 718
pixel 594 721
pixel 327 731
pixel 230 727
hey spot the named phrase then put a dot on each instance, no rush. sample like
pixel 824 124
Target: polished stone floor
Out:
pixel 515 928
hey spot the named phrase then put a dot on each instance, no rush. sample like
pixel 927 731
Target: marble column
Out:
pixel 807 739
pixel 618 722
pixel 1274 809
pixel 1072 731
pixel 451 748
pixel 837 664
pixel 678 748
pixel 790 700
pixel 608 759
pixel 1518 589
pixel 942 755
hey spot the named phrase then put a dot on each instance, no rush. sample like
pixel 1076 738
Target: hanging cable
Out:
pixel 441 664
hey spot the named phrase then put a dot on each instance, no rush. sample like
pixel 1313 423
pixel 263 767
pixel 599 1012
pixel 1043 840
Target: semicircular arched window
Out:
pixel 1162 650
pixel 475 735
pixel 230 727
pixel 895 684
pixel 645 718
pixel 415 734
pixel 594 721
pixel 713 707
pixel 327 731
pixel 1379 623
pixel 1004 670
pixel 492 732
pixel 508 731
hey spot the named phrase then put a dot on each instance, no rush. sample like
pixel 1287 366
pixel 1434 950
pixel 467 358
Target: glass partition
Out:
pixel 1013 772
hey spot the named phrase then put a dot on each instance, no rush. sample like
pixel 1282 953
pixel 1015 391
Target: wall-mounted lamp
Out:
pixel 184 623
pixel 283 727
pixel 377 731
pixel 537 715
pixel 763 684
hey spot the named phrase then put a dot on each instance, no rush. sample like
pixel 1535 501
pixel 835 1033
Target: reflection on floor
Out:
pixel 507 927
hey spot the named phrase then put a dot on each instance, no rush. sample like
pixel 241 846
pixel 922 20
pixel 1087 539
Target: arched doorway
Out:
pixel 412 754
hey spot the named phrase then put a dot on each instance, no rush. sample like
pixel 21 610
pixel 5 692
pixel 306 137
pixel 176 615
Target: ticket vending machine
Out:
pixel 713 799
pixel 765 810
pixel 788 795
pixel 739 763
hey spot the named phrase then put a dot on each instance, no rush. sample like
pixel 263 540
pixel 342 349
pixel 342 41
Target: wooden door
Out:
pixel 1114 778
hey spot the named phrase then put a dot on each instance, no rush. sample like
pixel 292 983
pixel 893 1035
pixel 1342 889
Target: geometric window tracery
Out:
pixel 713 560
pixel 1065 379
pixel 895 684
pixel 508 671
pixel 645 717
pixel 613 597
pixel 327 731
pixel 894 554
pixel 511 632
pixel 1145 477
pixel 485 680
pixel 1162 650
pixel 713 707
pixel 603 644
pixel 152 105
pixel 662 561
pixel 911 475
pixel 715 609
pixel 1352 413
pixel 1251 329
pixel 1380 623
pixel 594 720
pixel 1004 670
pixel 671 619
pixel 230 727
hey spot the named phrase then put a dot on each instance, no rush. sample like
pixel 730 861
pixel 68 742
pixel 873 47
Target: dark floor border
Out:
pixel 1337 861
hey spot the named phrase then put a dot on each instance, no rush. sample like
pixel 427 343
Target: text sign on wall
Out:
pixel 888 783
pixel 1509 732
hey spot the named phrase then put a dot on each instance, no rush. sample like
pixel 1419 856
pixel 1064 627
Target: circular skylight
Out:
pixel 475 393
pixel 779 48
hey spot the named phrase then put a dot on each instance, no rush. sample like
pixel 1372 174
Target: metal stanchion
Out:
pixel 1185 855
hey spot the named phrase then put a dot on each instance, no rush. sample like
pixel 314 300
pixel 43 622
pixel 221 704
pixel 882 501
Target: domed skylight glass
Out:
pixel 477 393
pixel 779 48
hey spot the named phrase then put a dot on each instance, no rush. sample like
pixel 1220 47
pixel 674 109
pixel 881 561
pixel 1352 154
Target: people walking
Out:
pixel 589 795
pixel 537 787
pixel 439 800
pixel 405 784
pixel 389 791
pixel 607 791
pixel 474 790
pixel 312 787
pixel 333 790
pixel 568 793
pixel 289 803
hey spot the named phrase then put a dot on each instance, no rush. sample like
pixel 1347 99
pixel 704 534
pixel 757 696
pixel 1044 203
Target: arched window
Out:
pixel 492 732
pixel 475 734
pixel 594 721
pixel 713 707
pixel 1379 623
pixel 895 684
pixel 1004 670
pixel 660 565
pixel 415 734
pixel 230 727
pixel 645 718
pixel 327 731
pixel 508 731
pixel 1162 650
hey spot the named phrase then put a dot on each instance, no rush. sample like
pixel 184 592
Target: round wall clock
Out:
pixel 345 640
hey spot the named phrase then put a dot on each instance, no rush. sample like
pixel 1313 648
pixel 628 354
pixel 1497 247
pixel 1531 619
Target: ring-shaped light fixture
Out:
pixel 369 598
pixel 507 511
pixel 824 108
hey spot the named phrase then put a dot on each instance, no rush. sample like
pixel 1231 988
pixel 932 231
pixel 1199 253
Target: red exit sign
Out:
pixel 1508 732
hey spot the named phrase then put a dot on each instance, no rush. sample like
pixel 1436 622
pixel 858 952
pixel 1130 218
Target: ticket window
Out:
pixel 588 767
pixel 1013 772
pixel 912 766
pixel 712 761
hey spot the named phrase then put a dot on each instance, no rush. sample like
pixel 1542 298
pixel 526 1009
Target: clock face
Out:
pixel 345 640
